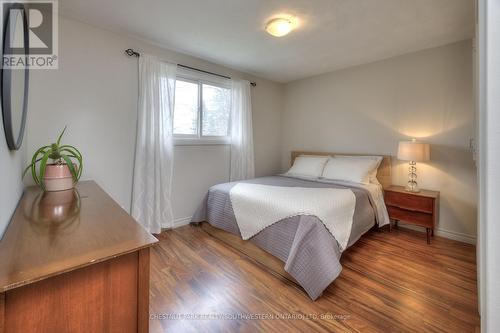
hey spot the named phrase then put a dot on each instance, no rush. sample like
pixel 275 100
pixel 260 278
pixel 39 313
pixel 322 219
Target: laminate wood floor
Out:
pixel 391 282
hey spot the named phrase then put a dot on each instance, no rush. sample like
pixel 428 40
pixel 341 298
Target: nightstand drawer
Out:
pixel 410 201
pixel 410 216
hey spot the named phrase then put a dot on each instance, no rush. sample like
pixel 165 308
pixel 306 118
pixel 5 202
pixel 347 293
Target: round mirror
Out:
pixel 15 74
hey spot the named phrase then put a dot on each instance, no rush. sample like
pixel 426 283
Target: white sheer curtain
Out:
pixel 152 185
pixel 242 159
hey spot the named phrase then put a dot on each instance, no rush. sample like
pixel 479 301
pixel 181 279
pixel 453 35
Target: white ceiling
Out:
pixel 333 34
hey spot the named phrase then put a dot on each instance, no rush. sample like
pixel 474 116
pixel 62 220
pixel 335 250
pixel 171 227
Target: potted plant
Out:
pixel 64 171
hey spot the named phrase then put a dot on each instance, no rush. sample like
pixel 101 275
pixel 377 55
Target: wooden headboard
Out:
pixel 384 174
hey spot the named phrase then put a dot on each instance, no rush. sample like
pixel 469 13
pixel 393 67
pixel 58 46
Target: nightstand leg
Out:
pixel 396 224
pixel 428 235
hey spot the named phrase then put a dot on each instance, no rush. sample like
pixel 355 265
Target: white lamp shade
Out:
pixel 414 151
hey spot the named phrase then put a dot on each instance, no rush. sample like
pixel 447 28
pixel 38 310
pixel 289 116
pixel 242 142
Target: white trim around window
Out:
pixel 198 138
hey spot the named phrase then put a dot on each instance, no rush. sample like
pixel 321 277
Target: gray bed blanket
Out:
pixel 310 252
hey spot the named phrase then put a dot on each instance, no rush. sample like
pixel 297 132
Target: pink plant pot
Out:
pixel 58 178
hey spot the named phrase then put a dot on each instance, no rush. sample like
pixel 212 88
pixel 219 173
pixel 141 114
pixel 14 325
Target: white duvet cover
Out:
pixel 259 206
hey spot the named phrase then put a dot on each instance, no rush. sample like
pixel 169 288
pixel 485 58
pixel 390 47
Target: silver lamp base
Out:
pixel 412 185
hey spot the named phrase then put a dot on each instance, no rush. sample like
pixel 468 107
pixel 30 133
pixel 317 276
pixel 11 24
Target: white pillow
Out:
pixel 308 166
pixel 351 168
pixel 373 175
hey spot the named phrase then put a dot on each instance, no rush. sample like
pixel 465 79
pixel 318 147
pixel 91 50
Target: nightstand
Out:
pixel 420 208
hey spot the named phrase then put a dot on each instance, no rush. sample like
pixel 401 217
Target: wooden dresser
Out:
pixel 74 261
pixel 421 208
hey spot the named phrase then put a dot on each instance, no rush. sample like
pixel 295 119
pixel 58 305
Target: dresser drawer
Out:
pixel 409 216
pixel 410 201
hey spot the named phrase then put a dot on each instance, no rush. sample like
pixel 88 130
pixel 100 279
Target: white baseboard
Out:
pixel 461 237
pixel 182 221
pixel 458 236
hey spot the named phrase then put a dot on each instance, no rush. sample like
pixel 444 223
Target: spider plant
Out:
pixel 60 155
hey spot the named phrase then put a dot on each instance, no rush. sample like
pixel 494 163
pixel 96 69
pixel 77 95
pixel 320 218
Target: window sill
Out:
pixel 201 142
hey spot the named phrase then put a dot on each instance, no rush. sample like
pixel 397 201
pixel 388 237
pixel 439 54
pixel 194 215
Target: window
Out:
pixel 202 110
pixel 186 108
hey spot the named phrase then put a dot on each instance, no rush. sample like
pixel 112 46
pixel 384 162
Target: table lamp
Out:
pixel 413 152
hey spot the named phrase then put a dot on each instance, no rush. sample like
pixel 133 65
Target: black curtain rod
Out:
pixel 132 53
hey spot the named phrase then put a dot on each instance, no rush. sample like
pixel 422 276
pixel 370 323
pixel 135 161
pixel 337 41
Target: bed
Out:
pixel 298 248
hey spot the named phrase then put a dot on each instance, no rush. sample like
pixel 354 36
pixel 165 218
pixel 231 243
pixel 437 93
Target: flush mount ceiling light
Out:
pixel 279 27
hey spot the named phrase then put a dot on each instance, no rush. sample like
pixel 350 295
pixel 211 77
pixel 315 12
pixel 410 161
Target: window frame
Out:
pixel 199 138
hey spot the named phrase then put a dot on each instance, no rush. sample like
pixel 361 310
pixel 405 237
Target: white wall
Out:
pixel 489 163
pixel 94 92
pixel 369 108
pixel 11 186
pixel 196 169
